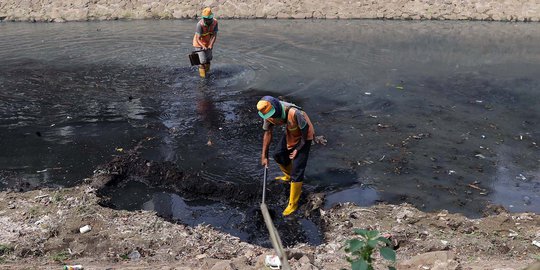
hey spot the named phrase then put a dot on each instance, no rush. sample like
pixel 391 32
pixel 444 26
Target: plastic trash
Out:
pixel 73 267
pixel 134 255
pixel 272 262
pixel 480 156
pixel 85 229
pixel 536 243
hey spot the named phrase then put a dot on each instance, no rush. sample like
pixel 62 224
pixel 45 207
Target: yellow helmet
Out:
pixel 207 13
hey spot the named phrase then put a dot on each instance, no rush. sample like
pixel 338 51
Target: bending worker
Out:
pixel 205 37
pixel 293 150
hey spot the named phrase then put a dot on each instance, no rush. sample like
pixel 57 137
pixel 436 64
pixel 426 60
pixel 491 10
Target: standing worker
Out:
pixel 205 37
pixel 293 150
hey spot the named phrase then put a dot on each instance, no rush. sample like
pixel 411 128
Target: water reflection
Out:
pixel 362 196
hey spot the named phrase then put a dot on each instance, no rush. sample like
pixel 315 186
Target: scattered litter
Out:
pixel 320 140
pixel 521 137
pixel 52 125
pixel 381 159
pixel 134 255
pixel 444 242
pixel 41 196
pixel 536 243
pixel 367 93
pixel 69 117
pixel 119 149
pixel 521 177
pixel 373 116
pixel 480 156
pixel 450 172
pixel 201 256
pixel 483 136
pixel 512 233
pixel 526 200
pixel 475 187
pixel 85 229
pixel 73 267
pixel 42 171
pixel 419 136
pixel 383 126
pixel 38 222
pixel 209 143
pixel 272 261
pixel 365 161
pixel 479 101
pixel 399 87
pixel 220 128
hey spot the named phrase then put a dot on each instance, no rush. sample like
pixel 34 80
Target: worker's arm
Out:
pixel 212 40
pixel 267 139
pixel 198 41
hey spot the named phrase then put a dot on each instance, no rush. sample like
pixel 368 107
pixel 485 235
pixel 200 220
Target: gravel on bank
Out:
pixel 83 10
pixel 42 228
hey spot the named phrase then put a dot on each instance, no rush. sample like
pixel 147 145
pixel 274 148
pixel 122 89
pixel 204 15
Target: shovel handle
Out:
pixel 264 184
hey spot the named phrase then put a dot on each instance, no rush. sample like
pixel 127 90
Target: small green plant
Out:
pixel 57 197
pixel 124 256
pixel 60 256
pixel 33 211
pixel 5 249
pixel 362 249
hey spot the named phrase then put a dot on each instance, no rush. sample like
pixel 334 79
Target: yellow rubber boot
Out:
pixel 202 72
pixel 296 190
pixel 286 172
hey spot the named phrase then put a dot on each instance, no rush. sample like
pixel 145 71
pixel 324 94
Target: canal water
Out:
pixel 442 115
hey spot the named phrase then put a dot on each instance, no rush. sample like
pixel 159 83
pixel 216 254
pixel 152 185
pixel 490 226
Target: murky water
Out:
pixel 443 115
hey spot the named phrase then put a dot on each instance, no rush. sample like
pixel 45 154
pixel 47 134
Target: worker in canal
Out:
pixel 293 149
pixel 205 37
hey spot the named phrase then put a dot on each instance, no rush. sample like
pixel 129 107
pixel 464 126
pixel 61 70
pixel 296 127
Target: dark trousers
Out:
pixel 281 156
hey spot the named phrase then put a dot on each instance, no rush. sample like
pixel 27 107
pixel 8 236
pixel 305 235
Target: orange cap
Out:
pixel 207 13
pixel 265 109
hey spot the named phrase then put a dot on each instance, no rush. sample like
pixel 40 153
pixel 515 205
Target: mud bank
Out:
pixel 41 228
pixel 82 10
pixel 112 178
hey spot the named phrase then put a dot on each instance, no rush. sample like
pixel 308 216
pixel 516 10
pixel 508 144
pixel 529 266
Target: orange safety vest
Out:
pixel 206 35
pixel 293 133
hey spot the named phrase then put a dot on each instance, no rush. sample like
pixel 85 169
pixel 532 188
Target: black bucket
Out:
pixel 200 57
pixel 194 58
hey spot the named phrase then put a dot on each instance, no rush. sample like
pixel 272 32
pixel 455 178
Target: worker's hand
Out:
pixel 264 161
pixel 292 155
